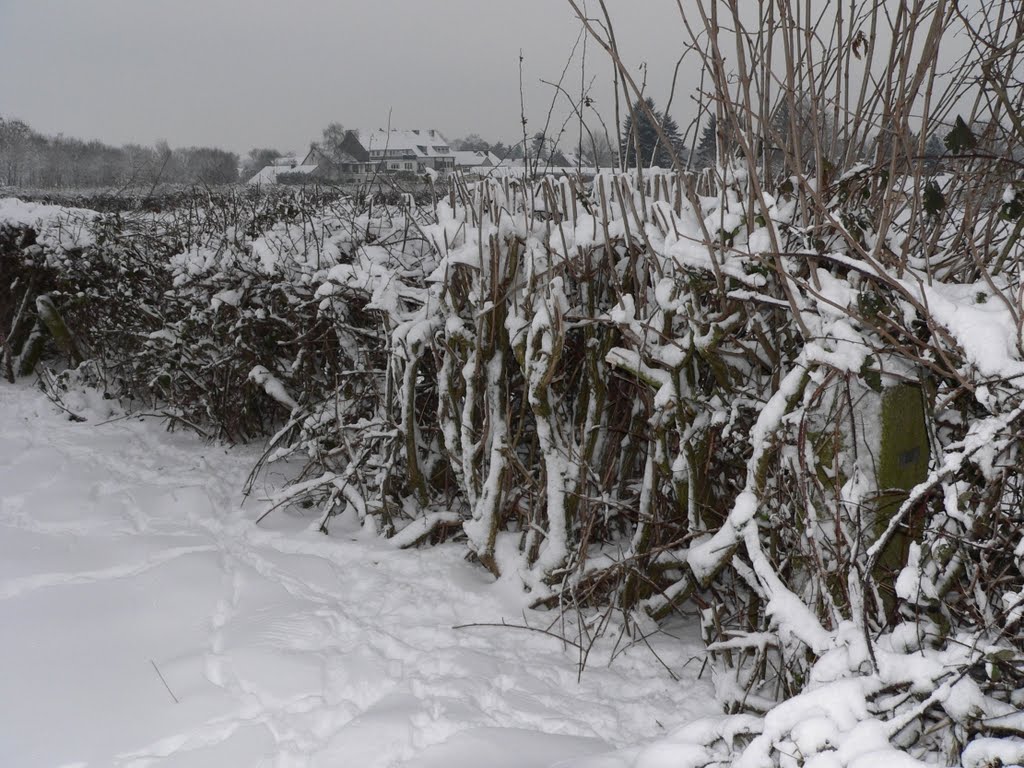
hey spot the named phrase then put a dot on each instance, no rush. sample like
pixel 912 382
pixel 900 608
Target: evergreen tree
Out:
pixel 707 148
pixel 645 137
pixel 933 152
pixel 779 135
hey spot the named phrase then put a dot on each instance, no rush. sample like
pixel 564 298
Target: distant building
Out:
pixel 271 173
pixel 365 153
pixel 476 164
pixel 331 168
pixel 397 151
pixel 473 159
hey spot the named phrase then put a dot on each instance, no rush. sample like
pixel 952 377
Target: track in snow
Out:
pixel 131 575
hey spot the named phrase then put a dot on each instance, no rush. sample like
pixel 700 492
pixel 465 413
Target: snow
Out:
pixel 985 753
pixel 261 377
pixel 57 227
pixel 15 212
pixel 979 322
pixel 231 297
pixel 146 621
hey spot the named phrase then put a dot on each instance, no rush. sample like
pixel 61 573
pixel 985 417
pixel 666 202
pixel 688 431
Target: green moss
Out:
pixel 903 459
pixel 902 464
pixel 58 329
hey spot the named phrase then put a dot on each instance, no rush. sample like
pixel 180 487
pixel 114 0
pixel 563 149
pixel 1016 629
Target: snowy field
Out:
pixel 145 620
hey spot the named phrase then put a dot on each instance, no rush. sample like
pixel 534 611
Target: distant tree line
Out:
pixel 792 135
pixel 595 150
pixel 30 159
pixel 476 143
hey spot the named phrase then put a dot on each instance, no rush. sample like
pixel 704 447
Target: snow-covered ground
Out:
pixel 145 620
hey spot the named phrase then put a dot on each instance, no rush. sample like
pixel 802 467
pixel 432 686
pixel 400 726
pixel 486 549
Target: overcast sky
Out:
pixel 246 73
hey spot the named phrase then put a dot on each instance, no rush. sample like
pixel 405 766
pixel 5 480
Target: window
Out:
pixel 408 166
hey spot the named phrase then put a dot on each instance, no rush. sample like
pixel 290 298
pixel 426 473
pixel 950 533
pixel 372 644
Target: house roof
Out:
pixel 468 158
pixel 269 174
pixel 418 142
pixel 317 156
pixel 571 159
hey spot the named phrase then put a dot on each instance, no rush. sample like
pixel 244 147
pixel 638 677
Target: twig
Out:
pixel 504 625
pixel 157 670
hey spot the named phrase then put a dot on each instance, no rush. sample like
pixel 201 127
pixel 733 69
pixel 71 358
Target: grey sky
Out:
pixel 245 73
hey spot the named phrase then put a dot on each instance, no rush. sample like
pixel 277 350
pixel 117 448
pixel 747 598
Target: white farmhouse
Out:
pixel 366 153
pixel 400 151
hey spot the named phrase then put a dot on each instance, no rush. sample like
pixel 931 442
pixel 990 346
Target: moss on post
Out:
pixel 58 329
pixel 902 464
pixel 903 459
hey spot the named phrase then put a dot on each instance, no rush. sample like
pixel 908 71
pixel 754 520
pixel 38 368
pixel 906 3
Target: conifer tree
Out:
pixel 707 148
pixel 645 138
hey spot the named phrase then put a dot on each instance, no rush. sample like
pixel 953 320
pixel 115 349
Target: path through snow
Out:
pixel 127 560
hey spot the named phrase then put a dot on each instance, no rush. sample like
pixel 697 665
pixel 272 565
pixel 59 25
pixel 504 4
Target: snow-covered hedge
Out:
pixel 178 307
pixel 617 394
pixel 789 394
